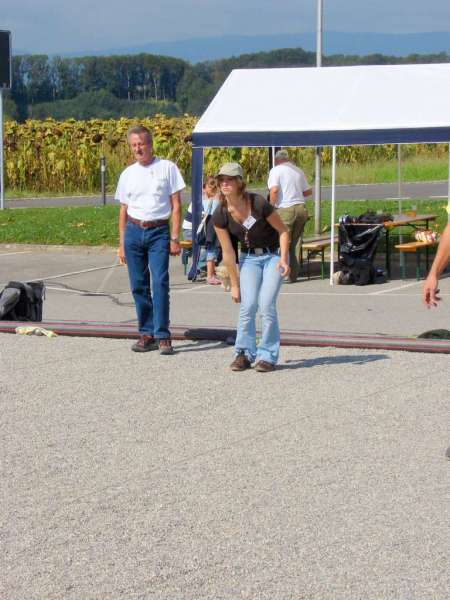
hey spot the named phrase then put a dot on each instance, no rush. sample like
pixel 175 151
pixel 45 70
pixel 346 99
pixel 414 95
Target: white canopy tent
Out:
pixel 333 106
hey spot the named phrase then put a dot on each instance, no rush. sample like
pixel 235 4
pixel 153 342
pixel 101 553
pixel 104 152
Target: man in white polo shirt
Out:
pixel 149 194
pixel 288 189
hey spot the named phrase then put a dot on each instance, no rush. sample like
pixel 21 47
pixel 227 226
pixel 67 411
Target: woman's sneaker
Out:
pixel 264 367
pixel 240 363
pixel 213 281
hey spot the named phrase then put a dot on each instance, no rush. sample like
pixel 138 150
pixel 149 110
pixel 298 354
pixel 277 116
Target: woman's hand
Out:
pixel 235 294
pixel 283 267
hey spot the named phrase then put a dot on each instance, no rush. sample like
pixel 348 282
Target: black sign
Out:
pixel 5 59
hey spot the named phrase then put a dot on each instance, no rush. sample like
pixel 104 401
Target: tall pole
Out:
pixel 333 210
pixel 317 188
pixel 399 179
pixel 2 183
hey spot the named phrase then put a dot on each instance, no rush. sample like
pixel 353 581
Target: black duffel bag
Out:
pixel 22 301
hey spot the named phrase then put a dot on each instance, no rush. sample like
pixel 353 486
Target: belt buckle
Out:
pixel 259 251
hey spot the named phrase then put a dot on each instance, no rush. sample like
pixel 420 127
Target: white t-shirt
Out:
pixel 209 204
pixel 147 189
pixel 290 182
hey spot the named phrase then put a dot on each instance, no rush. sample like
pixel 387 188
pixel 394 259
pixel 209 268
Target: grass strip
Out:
pixel 98 226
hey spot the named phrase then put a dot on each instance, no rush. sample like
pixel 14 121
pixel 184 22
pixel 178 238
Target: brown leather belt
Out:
pixel 148 224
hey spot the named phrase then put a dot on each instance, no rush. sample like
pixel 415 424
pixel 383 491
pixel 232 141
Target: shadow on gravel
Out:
pixel 200 346
pixel 362 359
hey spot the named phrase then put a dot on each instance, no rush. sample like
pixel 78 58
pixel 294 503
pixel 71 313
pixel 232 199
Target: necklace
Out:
pixel 240 215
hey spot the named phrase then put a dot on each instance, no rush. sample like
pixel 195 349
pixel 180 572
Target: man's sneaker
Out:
pixel 145 343
pixel 165 347
pixel 240 363
pixel 264 367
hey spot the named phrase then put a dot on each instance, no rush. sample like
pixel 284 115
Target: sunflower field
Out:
pixel 64 157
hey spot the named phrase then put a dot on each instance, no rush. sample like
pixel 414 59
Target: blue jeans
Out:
pixel 147 252
pixel 260 283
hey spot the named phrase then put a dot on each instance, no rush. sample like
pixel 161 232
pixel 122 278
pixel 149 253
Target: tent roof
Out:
pixel 329 106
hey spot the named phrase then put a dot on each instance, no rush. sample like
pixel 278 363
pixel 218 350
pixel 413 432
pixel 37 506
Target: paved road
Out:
pixel 434 190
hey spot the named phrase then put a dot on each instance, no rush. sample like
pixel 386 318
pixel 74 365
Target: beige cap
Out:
pixel 283 154
pixel 231 170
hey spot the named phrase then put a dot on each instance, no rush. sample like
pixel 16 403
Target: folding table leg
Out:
pixel 388 257
pixel 402 266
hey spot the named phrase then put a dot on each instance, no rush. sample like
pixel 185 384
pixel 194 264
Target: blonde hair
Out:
pixel 211 181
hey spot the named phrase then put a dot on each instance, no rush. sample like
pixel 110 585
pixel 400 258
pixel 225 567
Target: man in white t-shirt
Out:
pixel 288 189
pixel 149 194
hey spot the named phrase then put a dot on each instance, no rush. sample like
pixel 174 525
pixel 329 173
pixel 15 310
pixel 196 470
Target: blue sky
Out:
pixel 59 26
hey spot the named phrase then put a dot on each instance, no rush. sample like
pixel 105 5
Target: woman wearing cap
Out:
pixel 263 264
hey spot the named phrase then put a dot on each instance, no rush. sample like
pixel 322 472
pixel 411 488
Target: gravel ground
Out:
pixel 141 476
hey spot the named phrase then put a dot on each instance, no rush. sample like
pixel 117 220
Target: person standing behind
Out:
pixel 210 202
pixel 149 194
pixel 288 189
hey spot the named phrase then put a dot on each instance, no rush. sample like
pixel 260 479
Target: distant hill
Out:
pixel 212 48
pixel 143 84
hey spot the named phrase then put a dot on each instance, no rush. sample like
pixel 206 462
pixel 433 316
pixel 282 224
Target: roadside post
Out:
pixel 5 84
pixel 103 178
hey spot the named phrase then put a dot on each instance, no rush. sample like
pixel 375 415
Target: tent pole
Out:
pixel 448 191
pixel 197 206
pixel 399 178
pixel 333 211
pixel 399 195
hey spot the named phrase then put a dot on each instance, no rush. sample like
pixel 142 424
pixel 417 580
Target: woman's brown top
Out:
pixel 260 235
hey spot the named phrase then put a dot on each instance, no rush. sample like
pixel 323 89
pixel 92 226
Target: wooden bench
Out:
pixel 312 248
pixel 186 252
pixel 415 248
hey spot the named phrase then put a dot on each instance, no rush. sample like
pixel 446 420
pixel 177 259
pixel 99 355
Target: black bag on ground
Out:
pixel 22 301
pixel 357 246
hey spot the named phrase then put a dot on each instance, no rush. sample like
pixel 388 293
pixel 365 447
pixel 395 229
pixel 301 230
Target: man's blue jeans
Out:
pixel 147 253
pixel 260 283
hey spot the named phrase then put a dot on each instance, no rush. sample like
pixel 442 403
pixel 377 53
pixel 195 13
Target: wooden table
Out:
pixel 415 221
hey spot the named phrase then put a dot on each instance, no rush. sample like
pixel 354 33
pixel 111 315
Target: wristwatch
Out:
pixel 175 239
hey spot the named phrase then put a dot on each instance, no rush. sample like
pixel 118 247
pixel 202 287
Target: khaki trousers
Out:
pixel 294 217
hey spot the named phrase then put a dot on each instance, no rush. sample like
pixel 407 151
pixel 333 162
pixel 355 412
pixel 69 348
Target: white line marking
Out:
pixel 440 197
pixel 67 274
pixel 397 198
pixel 57 289
pixel 11 253
pixel 400 287
pixel 335 295
pixel 200 287
pixel 74 273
